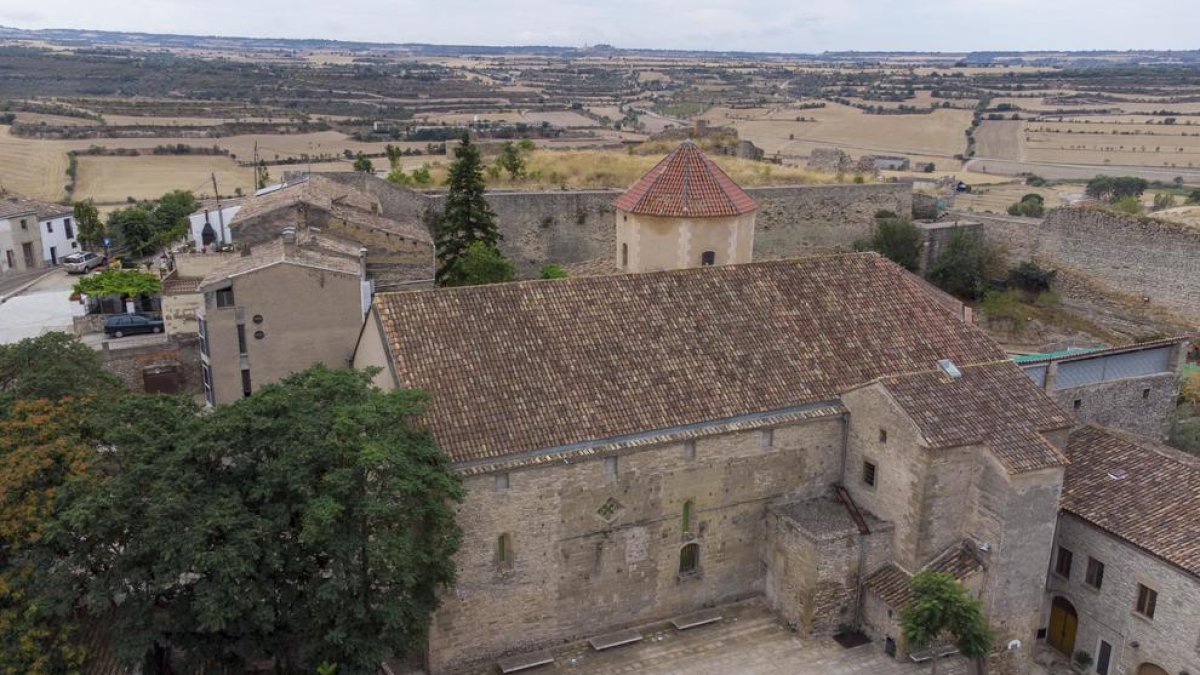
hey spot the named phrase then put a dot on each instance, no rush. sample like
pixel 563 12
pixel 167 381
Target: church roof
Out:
pixel 536 366
pixel 686 184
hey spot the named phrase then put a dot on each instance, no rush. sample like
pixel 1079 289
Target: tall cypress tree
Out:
pixel 467 218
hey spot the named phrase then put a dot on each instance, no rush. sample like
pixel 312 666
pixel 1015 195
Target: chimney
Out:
pixel 362 262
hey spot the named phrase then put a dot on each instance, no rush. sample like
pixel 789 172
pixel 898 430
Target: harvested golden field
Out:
pixel 599 169
pixel 1187 215
pixel 53 120
pixel 997 198
pixel 937 134
pixel 32 169
pixel 113 179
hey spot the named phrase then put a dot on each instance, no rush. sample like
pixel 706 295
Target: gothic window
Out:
pixel 689 558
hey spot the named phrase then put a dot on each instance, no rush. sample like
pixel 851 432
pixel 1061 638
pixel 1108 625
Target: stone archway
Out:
pixel 1151 669
pixel 1063 622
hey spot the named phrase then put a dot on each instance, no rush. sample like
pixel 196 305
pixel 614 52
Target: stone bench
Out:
pixel 519 662
pixel 615 639
pixel 701 618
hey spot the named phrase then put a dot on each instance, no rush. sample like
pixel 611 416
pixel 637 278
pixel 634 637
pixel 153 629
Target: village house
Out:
pixel 277 308
pixel 379 216
pixel 34 234
pixel 1124 580
pixel 639 447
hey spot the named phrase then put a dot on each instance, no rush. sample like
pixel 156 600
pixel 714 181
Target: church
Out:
pixel 706 429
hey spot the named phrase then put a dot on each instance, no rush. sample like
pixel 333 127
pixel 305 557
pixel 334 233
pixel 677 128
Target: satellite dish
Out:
pixel 1014 645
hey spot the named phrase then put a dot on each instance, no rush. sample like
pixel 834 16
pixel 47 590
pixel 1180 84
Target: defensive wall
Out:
pixel 568 226
pixel 1150 262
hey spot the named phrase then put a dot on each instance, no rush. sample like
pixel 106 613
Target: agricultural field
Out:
pixel 109 180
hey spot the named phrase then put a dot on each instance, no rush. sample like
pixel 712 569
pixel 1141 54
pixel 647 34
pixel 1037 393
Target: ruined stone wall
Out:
pixel 130 363
pixel 1141 256
pixel 580 568
pixel 568 226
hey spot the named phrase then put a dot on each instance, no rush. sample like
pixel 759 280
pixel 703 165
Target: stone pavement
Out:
pixel 45 306
pixel 750 640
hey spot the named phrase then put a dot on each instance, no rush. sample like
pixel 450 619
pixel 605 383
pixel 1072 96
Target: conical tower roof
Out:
pixel 686 184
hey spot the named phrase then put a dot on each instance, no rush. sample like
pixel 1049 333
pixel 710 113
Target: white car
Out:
pixel 83 262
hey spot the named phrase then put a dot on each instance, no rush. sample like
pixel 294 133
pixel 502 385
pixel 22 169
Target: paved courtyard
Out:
pixel 43 307
pixel 749 639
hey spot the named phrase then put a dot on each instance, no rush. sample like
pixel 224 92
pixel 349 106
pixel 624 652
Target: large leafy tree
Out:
pixel 896 239
pixel 148 226
pixel 134 228
pixel 41 452
pixel 467 217
pixel 310 523
pixel 51 366
pixel 961 267
pixel 87 221
pixel 941 609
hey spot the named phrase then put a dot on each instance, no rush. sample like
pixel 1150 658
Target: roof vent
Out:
pixel 1118 474
pixel 949 369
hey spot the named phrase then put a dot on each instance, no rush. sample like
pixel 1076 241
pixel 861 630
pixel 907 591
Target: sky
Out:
pixel 746 25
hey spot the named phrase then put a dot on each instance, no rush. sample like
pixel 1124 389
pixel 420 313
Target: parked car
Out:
pixel 83 262
pixel 120 325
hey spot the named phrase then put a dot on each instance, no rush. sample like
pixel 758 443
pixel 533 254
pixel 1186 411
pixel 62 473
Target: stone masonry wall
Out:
pixel 1147 257
pixel 569 226
pixel 1169 639
pixel 577 572
pixel 1139 405
pixel 128 363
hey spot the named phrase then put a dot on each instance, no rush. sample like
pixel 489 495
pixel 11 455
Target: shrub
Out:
pixel 1035 181
pixel 1031 205
pixel 1163 200
pixel 898 240
pixel 1028 276
pixel 1130 205
pixel 553 271
pixel 960 270
pixel 1083 659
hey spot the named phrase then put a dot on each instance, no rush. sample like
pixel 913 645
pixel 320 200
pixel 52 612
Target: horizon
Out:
pixel 757 26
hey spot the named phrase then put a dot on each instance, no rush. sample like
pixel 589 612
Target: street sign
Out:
pixel 107 242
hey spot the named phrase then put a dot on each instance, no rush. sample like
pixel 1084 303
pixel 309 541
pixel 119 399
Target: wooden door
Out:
pixel 1063 623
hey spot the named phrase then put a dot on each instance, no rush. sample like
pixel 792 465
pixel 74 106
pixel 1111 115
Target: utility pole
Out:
pixel 257 187
pixel 220 213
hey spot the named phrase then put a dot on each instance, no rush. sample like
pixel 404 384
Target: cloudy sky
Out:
pixel 755 25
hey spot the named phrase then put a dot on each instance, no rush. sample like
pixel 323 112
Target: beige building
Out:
pixel 639 447
pixel 277 308
pixel 685 212
pixel 1124 580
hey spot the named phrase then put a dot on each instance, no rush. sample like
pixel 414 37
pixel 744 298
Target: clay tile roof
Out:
pixel 1156 506
pixel 891 583
pixel 686 184
pixel 14 206
pixel 987 405
pixel 318 253
pixel 536 365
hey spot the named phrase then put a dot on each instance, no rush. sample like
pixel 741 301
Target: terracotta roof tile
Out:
pixel 892 584
pixel 540 364
pixel 14 206
pixel 686 184
pixel 986 405
pixel 1156 506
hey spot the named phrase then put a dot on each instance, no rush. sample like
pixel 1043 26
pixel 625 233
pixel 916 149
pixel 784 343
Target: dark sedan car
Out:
pixel 121 325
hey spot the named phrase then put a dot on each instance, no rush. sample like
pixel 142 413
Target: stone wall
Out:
pixel 181 355
pixel 1169 639
pixel 1139 405
pixel 592 552
pixel 569 226
pixel 1150 259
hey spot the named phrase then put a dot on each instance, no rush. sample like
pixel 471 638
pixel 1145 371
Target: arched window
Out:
pixel 624 256
pixel 708 258
pixel 689 558
pixel 503 550
pixel 687 516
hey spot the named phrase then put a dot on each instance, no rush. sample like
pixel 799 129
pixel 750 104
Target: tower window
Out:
pixel 868 473
pixel 767 439
pixel 687 516
pixel 610 468
pixel 504 550
pixel 624 256
pixel 708 258
pixel 689 559
pixel 689 449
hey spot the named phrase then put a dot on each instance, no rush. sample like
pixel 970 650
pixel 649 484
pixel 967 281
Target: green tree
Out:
pixel 896 239
pixel 88 225
pixel 363 164
pixel 40 453
pixel 313 523
pixel 479 264
pixel 262 177
pixel 1031 205
pixel 961 268
pixel 393 154
pixel 135 229
pixel 1163 200
pixel 553 271
pixel 941 608
pixel 171 213
pixel 1194 196
pixel 467 217
pixel 510 160
pixel 52 366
